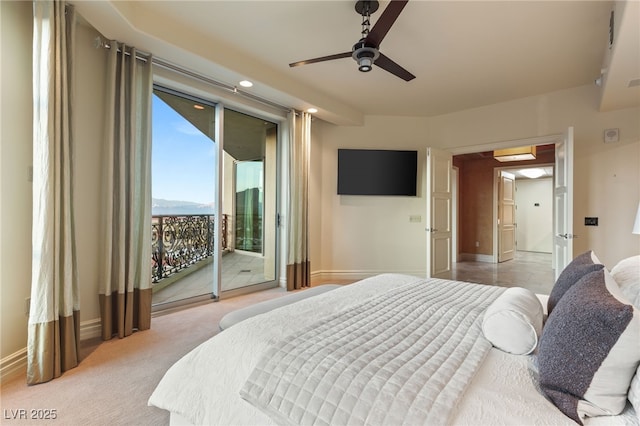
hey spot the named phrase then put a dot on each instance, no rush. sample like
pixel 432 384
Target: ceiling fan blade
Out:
pixel 322 59
pixel 388 65
pixel 384 23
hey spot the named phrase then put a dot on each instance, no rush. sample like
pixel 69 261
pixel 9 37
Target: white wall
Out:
pixel 372 234
pixel 607 187
pixel 16 157
pixel 534 214
pixel 363 235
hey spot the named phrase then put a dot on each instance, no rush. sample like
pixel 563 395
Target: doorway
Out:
pixel 476 179
pixel 478 190
pixel 531 211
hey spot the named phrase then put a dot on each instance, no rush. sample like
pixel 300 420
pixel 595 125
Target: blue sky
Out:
pixel 183 158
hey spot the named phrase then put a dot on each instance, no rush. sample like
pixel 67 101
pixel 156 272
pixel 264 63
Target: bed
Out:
pixel 399 349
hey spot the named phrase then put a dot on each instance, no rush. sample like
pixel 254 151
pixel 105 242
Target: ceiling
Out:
pixel 244 135
pixel 464 54
pixel 545 173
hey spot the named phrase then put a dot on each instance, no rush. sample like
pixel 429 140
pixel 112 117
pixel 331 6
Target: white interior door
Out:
pixel 563 204
pixel 506 216
pixel 439 203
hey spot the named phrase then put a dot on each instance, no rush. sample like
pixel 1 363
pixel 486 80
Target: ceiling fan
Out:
pixel 366 52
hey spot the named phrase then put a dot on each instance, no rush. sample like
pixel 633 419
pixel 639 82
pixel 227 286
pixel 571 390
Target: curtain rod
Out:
pixel 99 42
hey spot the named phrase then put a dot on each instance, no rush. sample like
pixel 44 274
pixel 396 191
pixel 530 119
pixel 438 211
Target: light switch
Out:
pixel 590 221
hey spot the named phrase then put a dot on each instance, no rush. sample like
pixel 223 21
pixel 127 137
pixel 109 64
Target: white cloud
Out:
pixel 187 128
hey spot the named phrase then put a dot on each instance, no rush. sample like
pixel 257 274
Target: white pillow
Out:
pixel 627 275
pixel 513 322
pixel 634 392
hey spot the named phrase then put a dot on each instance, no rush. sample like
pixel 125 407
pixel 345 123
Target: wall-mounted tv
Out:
pixel 377 172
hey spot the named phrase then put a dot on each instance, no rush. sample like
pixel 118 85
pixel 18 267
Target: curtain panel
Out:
pixel 298 264
pixel 125 289
pixel 54 317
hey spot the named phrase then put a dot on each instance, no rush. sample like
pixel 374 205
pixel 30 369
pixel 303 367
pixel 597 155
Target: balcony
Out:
pixel 182 257
pixel 181 241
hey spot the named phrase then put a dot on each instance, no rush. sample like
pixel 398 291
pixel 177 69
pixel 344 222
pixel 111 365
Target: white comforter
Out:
pixel 403 357
pixel 203 387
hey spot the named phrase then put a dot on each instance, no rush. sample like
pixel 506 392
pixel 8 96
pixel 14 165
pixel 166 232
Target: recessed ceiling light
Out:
pixel 532 173
pixel 312 110
pixel 246 83
pixel 196 106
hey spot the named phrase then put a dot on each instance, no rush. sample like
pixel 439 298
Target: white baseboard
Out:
pixel 16 364
pixel 475 257
pixel 13 365
pixel 90 329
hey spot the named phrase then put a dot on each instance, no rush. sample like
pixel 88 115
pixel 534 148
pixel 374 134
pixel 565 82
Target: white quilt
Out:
pixel 403 357
pixel 203 387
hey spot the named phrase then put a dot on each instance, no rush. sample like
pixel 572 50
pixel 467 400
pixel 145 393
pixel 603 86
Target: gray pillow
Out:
pixel 589 349
pixel 579 267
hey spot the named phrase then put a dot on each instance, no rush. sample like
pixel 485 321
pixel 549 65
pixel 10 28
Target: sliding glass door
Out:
pixel 192 214
pixel 183 212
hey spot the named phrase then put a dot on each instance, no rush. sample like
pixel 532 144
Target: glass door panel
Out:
pixel 183 214
pixel 249 200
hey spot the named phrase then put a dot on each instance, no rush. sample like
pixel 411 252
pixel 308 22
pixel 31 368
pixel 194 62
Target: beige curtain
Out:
pixel 54 330
pixel 125 289
pixel 298 265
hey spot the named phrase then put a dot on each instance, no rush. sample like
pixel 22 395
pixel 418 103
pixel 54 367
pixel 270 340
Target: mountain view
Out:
pixel 166 207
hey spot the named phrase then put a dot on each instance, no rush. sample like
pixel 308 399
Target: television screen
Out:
pixel 377 172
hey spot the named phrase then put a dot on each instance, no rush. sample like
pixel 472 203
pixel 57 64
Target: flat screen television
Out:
pixel 377 172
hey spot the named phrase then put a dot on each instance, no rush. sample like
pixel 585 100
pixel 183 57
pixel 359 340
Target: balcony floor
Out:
pixel 238 270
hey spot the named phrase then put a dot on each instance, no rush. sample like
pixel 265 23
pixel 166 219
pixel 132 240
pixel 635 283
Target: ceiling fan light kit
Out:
pixel 365 56
pixel 366 52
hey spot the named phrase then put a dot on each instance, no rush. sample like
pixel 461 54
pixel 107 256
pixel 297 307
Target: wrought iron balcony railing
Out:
pixel 179 241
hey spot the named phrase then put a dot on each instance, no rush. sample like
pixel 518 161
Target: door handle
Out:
pixel 567 236
pixel 431 230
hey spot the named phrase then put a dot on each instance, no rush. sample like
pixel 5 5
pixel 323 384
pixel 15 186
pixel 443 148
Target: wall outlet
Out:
pixel 415 218
pixel 477 243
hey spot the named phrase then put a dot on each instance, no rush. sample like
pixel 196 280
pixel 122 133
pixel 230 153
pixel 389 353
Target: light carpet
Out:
pixel 115 378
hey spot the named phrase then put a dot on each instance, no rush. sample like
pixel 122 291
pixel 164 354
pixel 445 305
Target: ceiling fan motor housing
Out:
pixel 364 55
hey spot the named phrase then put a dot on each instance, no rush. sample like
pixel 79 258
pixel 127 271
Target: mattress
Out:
pixel 204 386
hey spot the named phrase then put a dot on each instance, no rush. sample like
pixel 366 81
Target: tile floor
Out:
pixel 530 270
